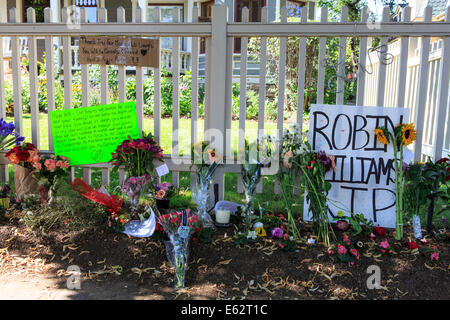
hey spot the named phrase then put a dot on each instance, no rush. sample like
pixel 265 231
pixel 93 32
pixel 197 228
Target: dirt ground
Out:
pixel 115 266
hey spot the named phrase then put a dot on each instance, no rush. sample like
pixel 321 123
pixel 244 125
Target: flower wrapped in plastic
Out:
pixel 256 155
pixel 177 248
pixel 133 188
pixel 207 160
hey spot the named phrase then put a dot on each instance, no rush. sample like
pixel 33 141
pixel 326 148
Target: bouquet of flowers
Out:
pixel 137 156
pixel 314 166
pixel 133 187
pixel 25 159
pixel 402 135
pixel 206 160
pixel 292 146
pixel 256 155
pixel 8 136
pixel 48 169
pixel 25 155
pixel 178 228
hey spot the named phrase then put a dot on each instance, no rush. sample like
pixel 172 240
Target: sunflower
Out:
pixel 408 134
pixel 381 136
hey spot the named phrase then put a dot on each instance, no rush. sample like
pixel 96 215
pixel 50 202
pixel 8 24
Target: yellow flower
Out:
pixel 408 134
pixel 260 232
pixel 340 214
pixel 381 137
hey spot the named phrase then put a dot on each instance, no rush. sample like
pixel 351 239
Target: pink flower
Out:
pixel 384 244
pixel 341 249
pixel 372 236
pixel 330 252
pixel 281 245
pixel 434 256
pixel 59 163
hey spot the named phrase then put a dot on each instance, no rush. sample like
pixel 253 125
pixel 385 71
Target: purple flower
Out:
pixel 277 233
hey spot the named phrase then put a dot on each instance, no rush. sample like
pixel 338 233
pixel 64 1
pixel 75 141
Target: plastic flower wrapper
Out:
pixel 254 160
pixel 133 188
pixel 177 247
pixel 207 160
pixel 8 136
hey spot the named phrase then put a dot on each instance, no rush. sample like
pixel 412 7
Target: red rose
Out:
pixel 22 155
pixel 379 231
pixel 195 240
pixel 413 245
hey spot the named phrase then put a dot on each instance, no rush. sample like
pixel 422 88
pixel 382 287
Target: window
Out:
pixel 167 16
pixel 254 12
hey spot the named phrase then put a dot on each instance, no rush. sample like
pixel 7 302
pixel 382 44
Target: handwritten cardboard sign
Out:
pixel 119 51
pixel 89 135
pixel 364 181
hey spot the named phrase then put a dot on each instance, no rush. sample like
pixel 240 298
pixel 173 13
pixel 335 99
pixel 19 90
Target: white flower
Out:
pixel 252 235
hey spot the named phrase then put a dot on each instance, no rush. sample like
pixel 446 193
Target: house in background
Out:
pixel 166 6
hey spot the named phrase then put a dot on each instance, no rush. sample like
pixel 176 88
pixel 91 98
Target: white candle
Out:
pixel 223 216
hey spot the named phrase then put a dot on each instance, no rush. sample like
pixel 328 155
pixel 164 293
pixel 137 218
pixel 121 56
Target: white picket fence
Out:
pixel 219 34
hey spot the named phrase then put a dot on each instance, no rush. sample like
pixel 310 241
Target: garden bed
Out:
pixel 115 266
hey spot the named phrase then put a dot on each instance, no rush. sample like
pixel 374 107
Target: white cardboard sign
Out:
pixel 364 181
pixel 162 170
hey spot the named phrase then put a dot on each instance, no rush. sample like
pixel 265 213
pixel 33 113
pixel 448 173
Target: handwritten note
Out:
pixel 89 135
pixel 119 51
pixel 364 182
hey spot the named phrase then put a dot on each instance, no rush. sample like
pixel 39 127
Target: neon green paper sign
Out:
pixel 90 134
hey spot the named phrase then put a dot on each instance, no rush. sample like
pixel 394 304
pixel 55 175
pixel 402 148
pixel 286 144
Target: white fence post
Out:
pixel 403 62
pixel 103 18
pixel 33 78
pixel 17 76
pixel 218 78
pixel 383 64
pixel 442 114
pixel 422 91
pixel 361 77
pixel 50 75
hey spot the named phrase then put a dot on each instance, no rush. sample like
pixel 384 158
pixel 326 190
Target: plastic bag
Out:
pixel 177 249
pixel 201 198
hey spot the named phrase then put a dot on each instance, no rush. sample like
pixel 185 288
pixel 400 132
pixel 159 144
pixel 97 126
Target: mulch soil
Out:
pixel 121 267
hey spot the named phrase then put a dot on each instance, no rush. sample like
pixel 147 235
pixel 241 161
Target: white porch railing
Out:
pixel 219 36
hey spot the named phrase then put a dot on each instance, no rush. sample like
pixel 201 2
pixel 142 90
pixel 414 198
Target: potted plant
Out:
pixel 164 191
